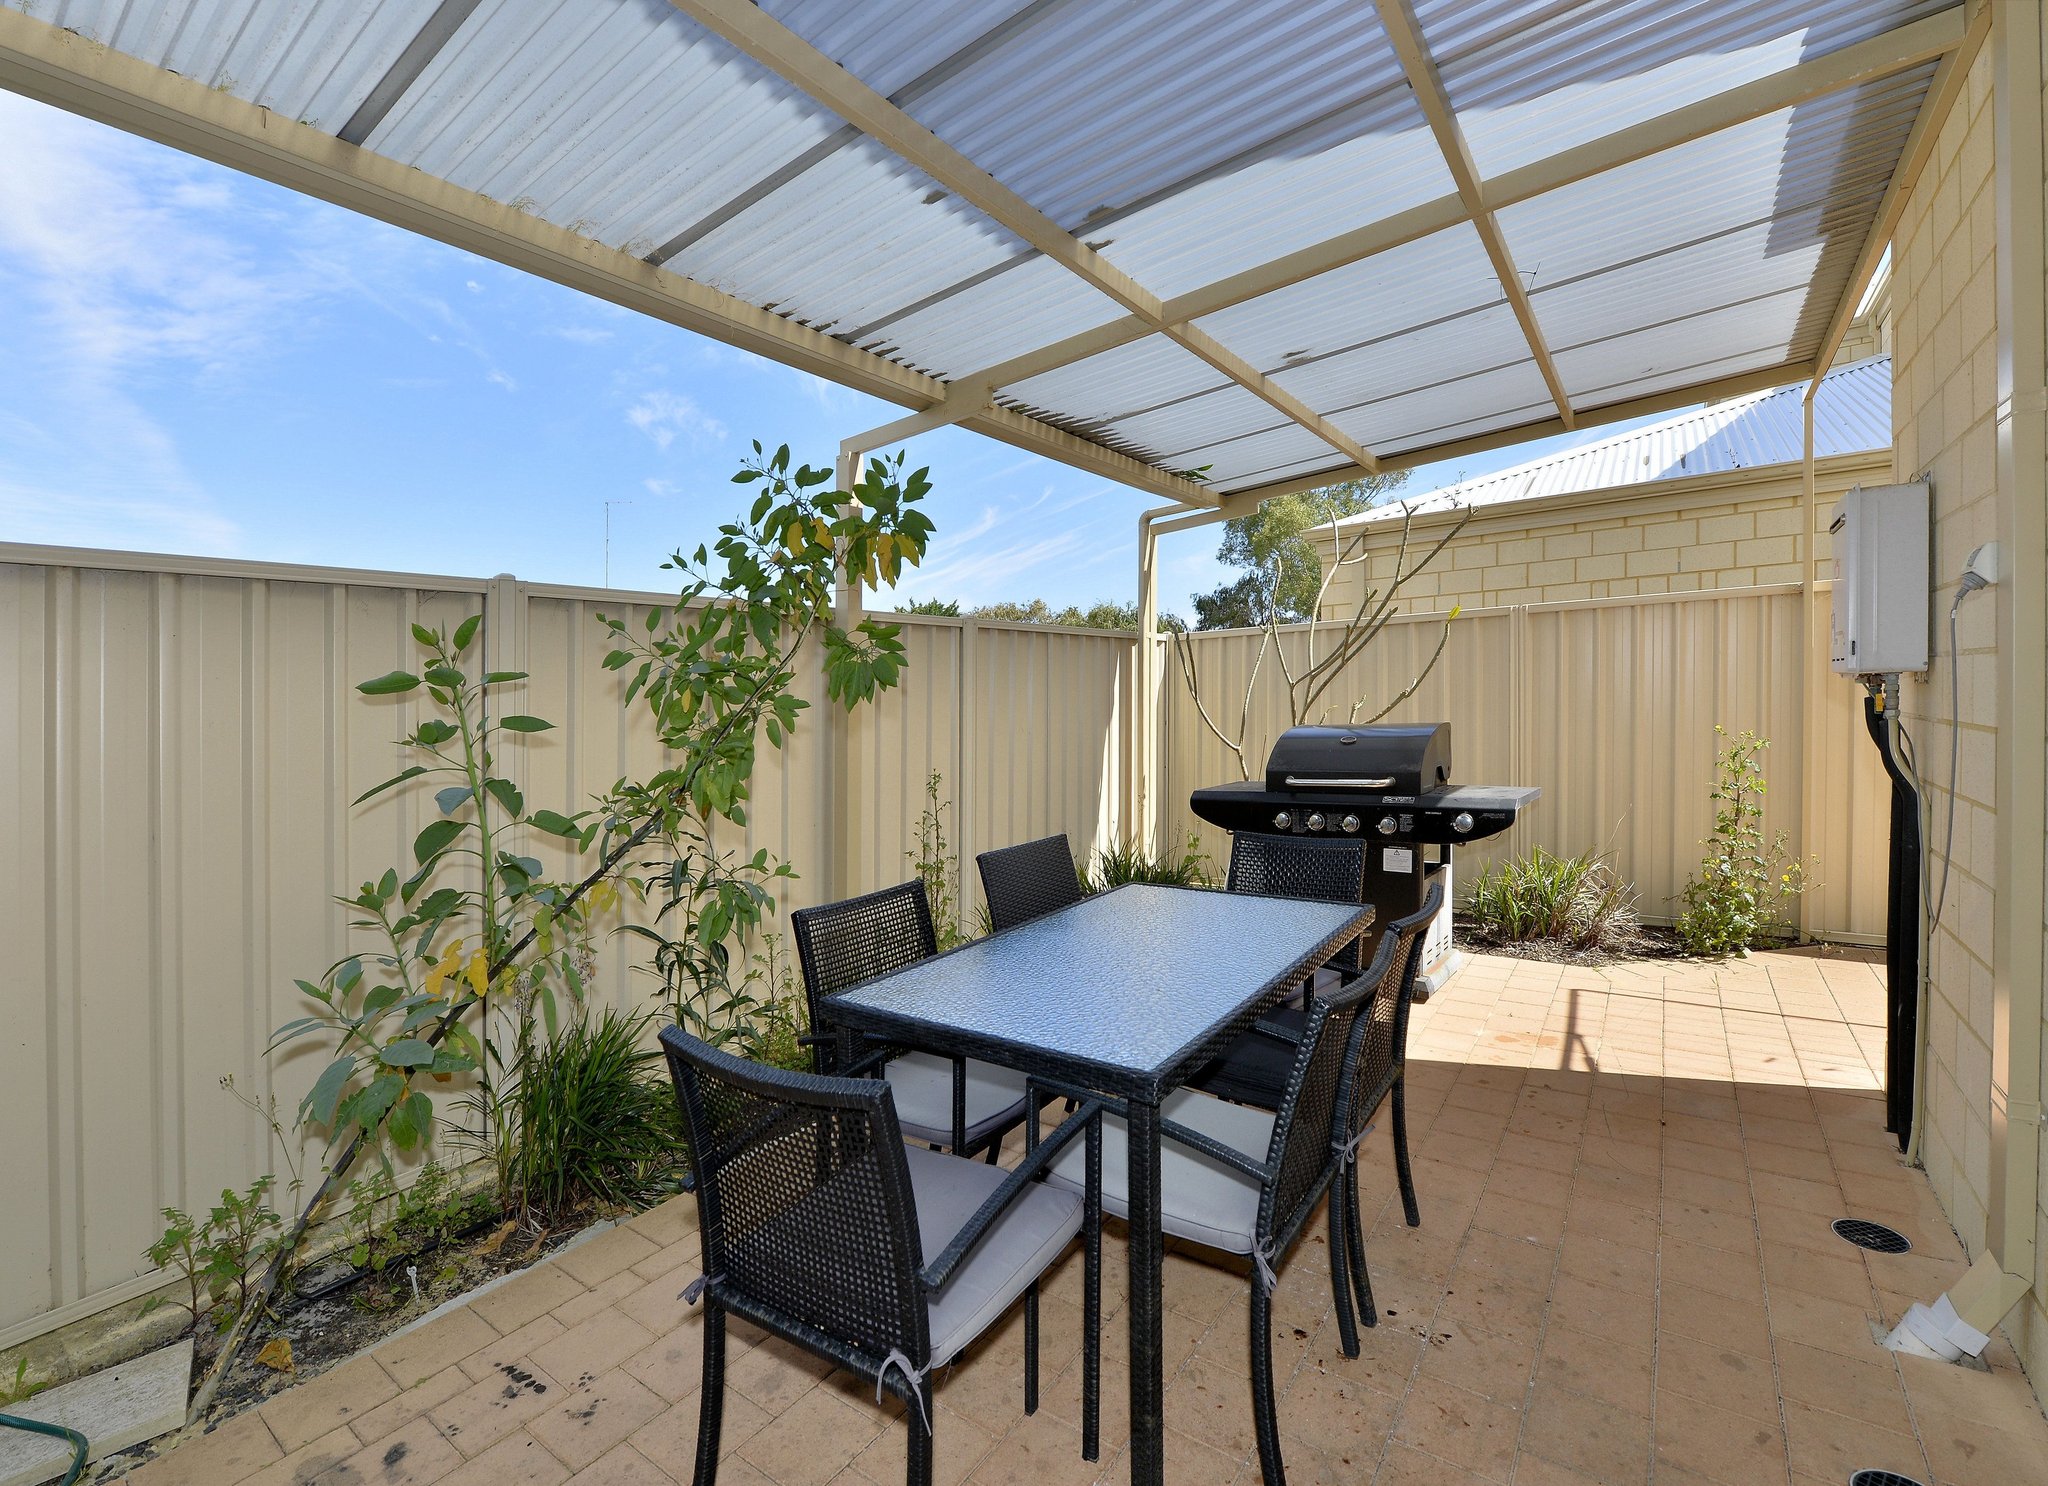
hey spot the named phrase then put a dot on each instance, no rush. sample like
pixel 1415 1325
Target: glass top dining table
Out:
pixel 1128 993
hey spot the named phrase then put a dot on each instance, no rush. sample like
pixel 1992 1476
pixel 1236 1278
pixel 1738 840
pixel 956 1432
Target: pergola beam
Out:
pixel 1879 56
pixel 1950 78
pixel 426 44
pixel 1243 502
pixel 63 69
pixel 1428 86
pixel 779 49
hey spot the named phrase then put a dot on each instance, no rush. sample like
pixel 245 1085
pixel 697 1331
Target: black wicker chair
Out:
pixel 1311 867
pixel 1254 1069
pixel 1028 881
pixel 817 1220
pixel 957 1103
pixel 1246 1181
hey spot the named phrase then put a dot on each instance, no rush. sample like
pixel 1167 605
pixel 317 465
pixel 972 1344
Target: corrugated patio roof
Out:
pixel 1852 414
pixel 1271 242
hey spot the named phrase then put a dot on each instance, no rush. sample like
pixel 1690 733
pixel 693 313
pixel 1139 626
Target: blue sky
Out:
pixel 193 361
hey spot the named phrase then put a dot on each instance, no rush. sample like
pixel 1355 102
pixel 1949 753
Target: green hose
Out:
pixel 79 1447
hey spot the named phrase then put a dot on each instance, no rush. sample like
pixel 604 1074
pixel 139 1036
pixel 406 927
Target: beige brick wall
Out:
pixel 1944 380
pixel 1709 531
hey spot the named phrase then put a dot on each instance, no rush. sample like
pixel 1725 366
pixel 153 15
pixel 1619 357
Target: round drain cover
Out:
pixel 1879 1239
pixel 1881 1478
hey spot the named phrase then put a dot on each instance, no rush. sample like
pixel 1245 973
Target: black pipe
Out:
pixel 1901 934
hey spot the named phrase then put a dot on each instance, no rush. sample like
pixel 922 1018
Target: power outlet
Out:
pixel 1981 564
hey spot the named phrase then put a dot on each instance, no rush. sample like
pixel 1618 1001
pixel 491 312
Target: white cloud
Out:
pixel 664 416
pixel 473 286
pixel 583 335
pixel 119 262
pixel 662 488
pixel 494 375
pixel 828 395
pixel 71 518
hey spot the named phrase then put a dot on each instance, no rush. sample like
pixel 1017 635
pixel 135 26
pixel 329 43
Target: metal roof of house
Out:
pixel 1852 414
pixel 1269 242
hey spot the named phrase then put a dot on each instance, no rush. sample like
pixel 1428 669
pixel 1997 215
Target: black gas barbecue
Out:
pixel 1391 785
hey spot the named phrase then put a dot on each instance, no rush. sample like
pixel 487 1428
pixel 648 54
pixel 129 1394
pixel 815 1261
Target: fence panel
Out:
pixel 1609 707
pixel 185 744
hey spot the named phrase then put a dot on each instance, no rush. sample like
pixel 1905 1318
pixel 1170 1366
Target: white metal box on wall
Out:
pixel 1882 538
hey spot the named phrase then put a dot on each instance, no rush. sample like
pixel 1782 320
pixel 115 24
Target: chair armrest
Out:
pixel 869 1062
pixel 1045 1089
pixel 975 1229
pixel 1228 1155
pixel 1278 1031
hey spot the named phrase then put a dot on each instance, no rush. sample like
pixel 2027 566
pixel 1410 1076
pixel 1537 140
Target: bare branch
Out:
pixel 1183 649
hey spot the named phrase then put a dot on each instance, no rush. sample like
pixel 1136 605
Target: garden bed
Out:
pixel 335 1311
pixel 1648 942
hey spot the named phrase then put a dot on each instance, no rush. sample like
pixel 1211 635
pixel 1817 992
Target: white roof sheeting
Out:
pixel 1194 144
pixel 1852 414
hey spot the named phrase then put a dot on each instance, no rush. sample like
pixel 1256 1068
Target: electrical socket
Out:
pixel 1982 564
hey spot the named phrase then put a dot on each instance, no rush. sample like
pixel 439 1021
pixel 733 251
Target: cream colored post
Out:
pixel 1811 677
pixel 1147 701
pixel 841 849
pixel 2022 619
pixel 2005 1272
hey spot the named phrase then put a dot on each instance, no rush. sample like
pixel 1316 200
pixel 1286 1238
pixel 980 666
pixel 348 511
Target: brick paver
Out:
pixel 1624 1273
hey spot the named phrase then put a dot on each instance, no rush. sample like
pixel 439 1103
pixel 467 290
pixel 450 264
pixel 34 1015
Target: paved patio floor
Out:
pixel 1624 1274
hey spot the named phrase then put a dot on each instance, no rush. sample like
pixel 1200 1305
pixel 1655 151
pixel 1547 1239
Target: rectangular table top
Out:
pixel 1127 991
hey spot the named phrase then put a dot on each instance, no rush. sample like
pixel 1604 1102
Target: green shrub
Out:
pixel 1576 902
pixel 1130 861
pixel 1741 896
pixel 597 1116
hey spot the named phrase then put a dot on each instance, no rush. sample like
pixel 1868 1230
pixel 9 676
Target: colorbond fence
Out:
pixel 1610 707
pixel 181 744
pixel 183 741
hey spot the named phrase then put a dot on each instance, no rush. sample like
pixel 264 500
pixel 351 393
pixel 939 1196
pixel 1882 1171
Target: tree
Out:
pixel 1239 605
pixel 1314 679
pixel 1281 569
pixel 1102 614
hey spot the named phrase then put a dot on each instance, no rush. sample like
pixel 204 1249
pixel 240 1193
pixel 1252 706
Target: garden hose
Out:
pixel 79 1446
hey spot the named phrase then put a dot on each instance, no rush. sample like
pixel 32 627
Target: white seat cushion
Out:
pixel 1200 1198
pixel 924 1097
pixel 1030 1234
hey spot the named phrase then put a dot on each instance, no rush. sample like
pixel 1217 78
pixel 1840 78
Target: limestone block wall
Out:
pixel 1737 530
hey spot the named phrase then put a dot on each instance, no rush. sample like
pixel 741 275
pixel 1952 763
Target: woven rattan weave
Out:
pixel 1028 881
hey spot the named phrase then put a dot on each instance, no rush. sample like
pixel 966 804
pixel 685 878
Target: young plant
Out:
pixel 1741 897
pixel 1575 903
pixel 183 1250
pixel 600 1118
pixel 20 1390
pixel 240 1231
pixel 218 1256
pixel 1130 861
pixel 936 866
pixel 709 905
pixel 784 1016
pixel 366 1196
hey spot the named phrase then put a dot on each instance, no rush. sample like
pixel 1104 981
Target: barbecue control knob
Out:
pixel 1283 821
pixel 1462 822
pixel 1349 825
pixel 1315 821
pixel 1387 825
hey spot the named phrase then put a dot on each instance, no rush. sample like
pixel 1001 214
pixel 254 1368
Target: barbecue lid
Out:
pixel 1390 760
